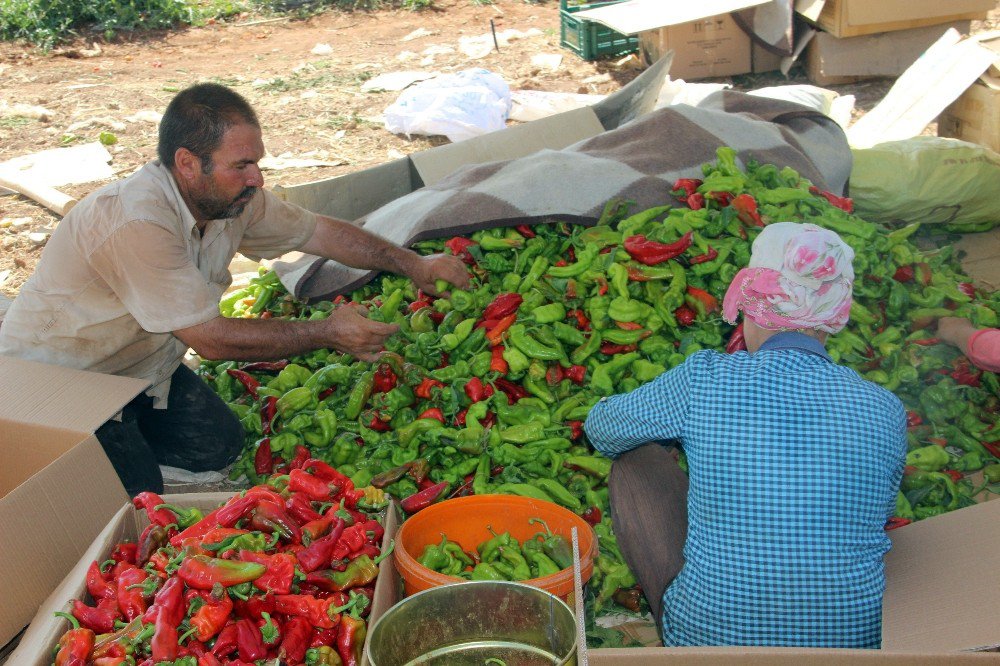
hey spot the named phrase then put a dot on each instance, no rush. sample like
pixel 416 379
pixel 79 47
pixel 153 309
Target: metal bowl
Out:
pixel 475 623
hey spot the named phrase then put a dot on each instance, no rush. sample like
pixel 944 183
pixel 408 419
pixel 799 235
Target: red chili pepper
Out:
pixel 295 641
pixel 495 334
pixel 263 463
pixel 74 645
pixel 459 246
pixel 423 498
pixel 502 305
pixel 130 600
pixel 213 613
pixel 561 262
pixel 554 374
pixel 514 392
pixel 424 389
pixel 170 610
pixel 722 198
pixel 268 410
pixel 227 515
pixel 685 187
pixel 316 489
pixel 576 373
pixel 685 315
pixel 97 585
pixel 249 643
pixel 746 210
pixel 582 322
pixel 895 522
pixel 602 284
pixel 100 618
pixel 993 448
pixel 926 342
pixel 612 349
pixel 525 231
pixel 202 572
pixel 592 515
pixel 702 258
pixel 432 413
pixel 736 340
pixel 317 555
pixel 385 379
pixel 696 201
pixel 575 429
pixel 651 253
pixel 279 573
pixel 300 507
pixel 265 366
pixel 497 362
pixel 351 639
pixel 249 382
pixel 903 274
pixel 270 517
pixel 125 552
pixel 843 203
pixel 967 288
pixel 378 425
pixel 955 475
pixel 923 273
pixel 705 299
pixel 149 501
pixel 477 390
pixel 319 612
pixel 225 644
pixel 913 419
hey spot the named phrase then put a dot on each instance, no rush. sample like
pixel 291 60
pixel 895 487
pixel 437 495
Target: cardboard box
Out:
pixel 850 18
pixel 705 48
pixel 57 488
pixel 762 60
pixel 832 61
pixel 126 524
pixel 975 115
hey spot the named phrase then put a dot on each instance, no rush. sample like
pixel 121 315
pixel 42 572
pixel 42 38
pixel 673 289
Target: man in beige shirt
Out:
pixel 133 275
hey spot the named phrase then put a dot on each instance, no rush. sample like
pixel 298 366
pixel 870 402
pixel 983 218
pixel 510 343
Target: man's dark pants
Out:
pixel 648 493
pixel 197 432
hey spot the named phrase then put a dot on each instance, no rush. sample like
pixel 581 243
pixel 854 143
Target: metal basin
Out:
pixel 475 623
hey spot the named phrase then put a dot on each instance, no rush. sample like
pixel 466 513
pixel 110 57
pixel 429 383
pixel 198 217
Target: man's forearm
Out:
pixel 352 246
pixel 252 339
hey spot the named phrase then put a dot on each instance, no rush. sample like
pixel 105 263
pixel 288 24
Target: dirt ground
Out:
pixel 310 103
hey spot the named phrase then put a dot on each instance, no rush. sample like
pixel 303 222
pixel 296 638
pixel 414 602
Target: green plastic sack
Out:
pixel 928 179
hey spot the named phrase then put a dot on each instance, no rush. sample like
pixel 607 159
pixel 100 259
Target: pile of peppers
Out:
pixel 282 571
pixel 485 391
pixel 501 557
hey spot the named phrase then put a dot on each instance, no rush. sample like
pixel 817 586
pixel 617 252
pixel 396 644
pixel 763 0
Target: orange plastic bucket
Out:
pixel 465 519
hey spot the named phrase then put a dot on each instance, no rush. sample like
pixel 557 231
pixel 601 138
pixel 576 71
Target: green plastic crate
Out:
pixel 591 40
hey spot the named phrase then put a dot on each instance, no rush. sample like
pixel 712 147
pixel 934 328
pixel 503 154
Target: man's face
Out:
pixel 227 184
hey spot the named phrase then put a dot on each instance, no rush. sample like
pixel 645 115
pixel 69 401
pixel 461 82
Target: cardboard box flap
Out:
pixel 863 13
pixel 941 591
pixel 635 16
pixel 59 397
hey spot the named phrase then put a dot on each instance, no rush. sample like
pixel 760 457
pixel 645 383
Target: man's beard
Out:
pixel 214 208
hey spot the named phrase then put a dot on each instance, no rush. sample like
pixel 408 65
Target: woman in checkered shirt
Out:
pixel 776 534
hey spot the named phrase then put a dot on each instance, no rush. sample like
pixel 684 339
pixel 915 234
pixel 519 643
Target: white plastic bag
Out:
pixel 459 106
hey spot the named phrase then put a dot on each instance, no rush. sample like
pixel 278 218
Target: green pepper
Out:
pixel 584 260
pixel 524 433
pixel 295 400
pixel 457 370
pixel 928 458
pixel 558 492
pixel 359 395
pixel 520 338
pixel 407 433
pixel 568 334
pixel 622 308
pixel 451 340
pixel 486 571
pixel 421 322
pixel 619 336
pixel 524 490
pixel 538 267
pixel 517 362
pixel 489 550
pixel 645 371
pixel 549 313
pixel 593 465
pixel 554 545
pixel 587 349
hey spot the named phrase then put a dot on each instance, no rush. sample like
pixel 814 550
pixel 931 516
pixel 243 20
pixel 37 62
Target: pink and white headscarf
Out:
pixel 800 277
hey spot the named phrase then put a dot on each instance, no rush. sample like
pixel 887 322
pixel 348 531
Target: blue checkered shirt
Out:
pixel 794 463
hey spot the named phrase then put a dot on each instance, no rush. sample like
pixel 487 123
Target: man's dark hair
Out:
pixel 197 118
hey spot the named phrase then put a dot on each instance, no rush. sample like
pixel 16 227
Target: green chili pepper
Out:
pixel 519 337
pixel 587 349
pixel 549 313
pixel 538 267
pixel 359 395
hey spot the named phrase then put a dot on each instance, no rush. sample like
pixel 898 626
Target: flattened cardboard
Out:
pixel 832 61
pixel 851 18
pixel 57 488
pixel 975 115
pixel 35 648
pixel 636 16
pixel 706 48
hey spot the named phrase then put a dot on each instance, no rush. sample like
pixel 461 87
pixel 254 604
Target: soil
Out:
pixel 310 104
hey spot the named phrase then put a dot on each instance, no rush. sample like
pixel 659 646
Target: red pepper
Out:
pixel 561 262
pixel 685 187
pixel 843 203
pixel 895 522
pixel 503 305
pixel 651 253
pixel 497 362
pixel 249 643
pixel 74 645
pixel 270 517
pixel 424 389
pixel 903 274
pixel 202 572
pixel 923 273
pixel 576 373
pixel 268 410
pixel 712 253
pixel 575 429
pixel 554 374
pixel 319 553
pixel 315 529
pixel 993 448
pixel 302 454
pixel 316 489
pixel 213 613
pixel 300 507
pixel 592 515
pixel 685 315
pixel 736 340
pixel 279 573
pixel 477 390
pixel 581 319
pixel 495 334
pixel 385 379
pixel 926 342
pixel 265 366
pixel 227 515
pixel 746 210
pixel 432 413
pixel 125 552
pixel 514 392
pixel 130 600
pixel 351 639
pixel 611 349
pixel 263 463
pixel 225 644
pixel 170 610
pixel 705 299
pixel 423 498
pixel 350 543
pixel 459 246
pixel 967 288
pixel 249 382
pixel 955 475
pixel 97 585
pixel 319 612
pixel 149 501
pixel 525 231
pixel 100 618
pixel 696 201
pixel 295 640
pixel 721 198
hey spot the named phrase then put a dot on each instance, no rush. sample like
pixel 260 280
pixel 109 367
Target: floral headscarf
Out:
pixel 800 277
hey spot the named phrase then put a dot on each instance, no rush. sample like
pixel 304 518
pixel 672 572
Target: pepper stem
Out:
pixel 532 521
pixel 386 553
pixel 72 620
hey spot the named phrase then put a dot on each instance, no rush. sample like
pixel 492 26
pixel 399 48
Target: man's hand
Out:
pixel 351 332
pixel 425 270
